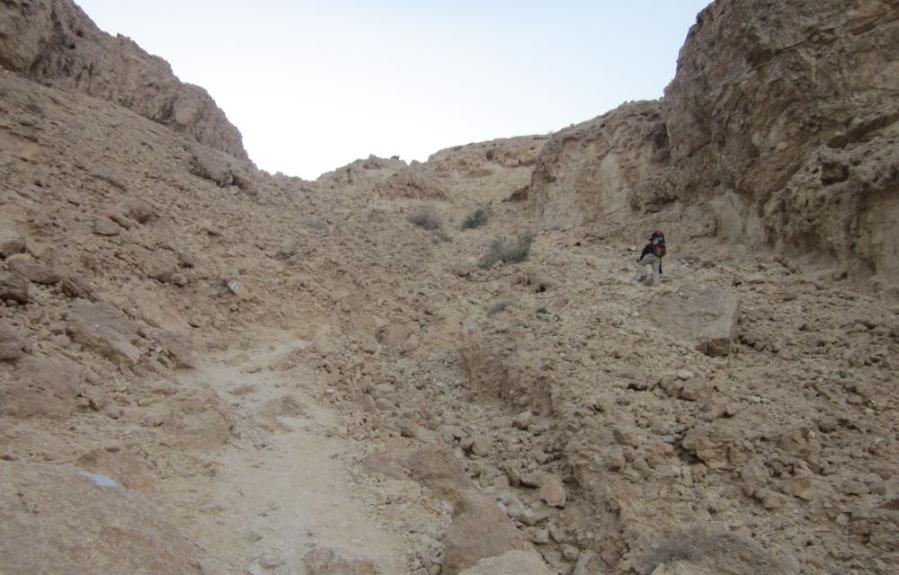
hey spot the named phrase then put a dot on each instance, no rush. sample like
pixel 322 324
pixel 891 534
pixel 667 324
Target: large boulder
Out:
pixel 11 345
pixel 33 270
pixel 140 211
pixel 219 168
pixel 11 242
pixel 14 287
pixel 104 328
pixel 510 563
pixel 195 417
pixel 552 491
pixel 717 444
pixel 59 519
pixel 438 469
pixel 41 386
pixel 479 531
pixel 159 264
pixel 77 287
pixel 176 346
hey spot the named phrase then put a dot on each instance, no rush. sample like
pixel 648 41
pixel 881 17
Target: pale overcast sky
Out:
pixel 314 85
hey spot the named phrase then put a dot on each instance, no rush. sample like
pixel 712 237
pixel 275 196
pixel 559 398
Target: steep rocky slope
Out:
pixel 779 130
pixel 218 370
pixel 56 43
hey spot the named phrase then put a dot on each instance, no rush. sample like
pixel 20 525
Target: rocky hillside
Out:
pixel 55 43
pixel 779 130
pixel 397 368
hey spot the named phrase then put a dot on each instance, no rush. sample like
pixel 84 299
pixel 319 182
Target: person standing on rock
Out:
pixel 652 257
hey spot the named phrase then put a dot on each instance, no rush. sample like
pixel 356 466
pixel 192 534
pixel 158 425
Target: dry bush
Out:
pixel 426 218
pixel 508 251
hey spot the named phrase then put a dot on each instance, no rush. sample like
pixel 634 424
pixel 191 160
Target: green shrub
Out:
pixel 508 251
pixel 475 219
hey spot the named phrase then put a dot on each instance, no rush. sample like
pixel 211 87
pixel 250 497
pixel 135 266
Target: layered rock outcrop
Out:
pixel 54 42
pixel 780 129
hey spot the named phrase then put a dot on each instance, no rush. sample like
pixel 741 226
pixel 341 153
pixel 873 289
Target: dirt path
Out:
pixel 281 488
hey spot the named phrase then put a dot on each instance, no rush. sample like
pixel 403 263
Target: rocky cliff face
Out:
pixel 779 129
pixel 590 172
pixel 56 43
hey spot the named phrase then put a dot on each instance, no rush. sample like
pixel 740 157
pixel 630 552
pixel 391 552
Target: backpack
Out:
pixel 657 240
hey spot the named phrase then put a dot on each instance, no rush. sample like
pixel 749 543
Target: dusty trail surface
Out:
pixel 281 488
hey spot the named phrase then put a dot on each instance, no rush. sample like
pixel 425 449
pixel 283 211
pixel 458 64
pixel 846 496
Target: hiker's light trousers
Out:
pixel 653 261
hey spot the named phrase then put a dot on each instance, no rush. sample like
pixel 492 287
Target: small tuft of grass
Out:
pixel 475 219
pixel 426 218
pixel 508 251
